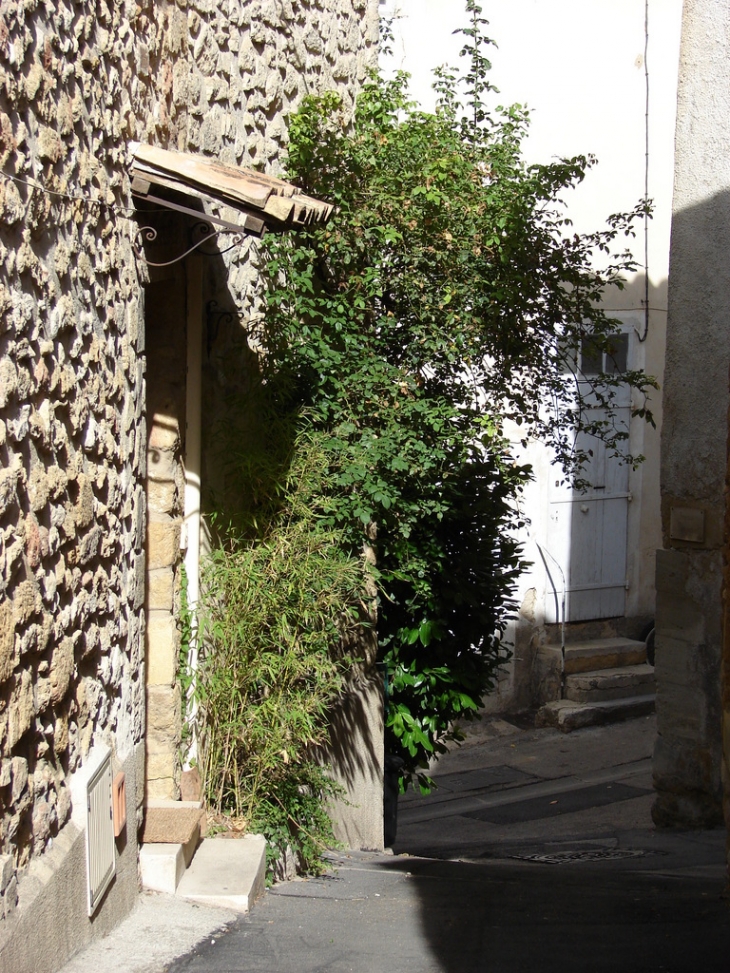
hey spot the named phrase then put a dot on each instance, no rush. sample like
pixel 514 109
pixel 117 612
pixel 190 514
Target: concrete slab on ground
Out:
pixel 226 872
pixel 160 928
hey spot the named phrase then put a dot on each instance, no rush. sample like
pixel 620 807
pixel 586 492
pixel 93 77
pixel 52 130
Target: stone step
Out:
pixel 161 866
pixel 603 684
pixel 173 822
pixel 567 715
pixel 603 654
pixel 226 872
pixel 170 834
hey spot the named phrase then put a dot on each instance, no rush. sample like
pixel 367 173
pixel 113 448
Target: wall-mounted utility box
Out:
pixel 100 848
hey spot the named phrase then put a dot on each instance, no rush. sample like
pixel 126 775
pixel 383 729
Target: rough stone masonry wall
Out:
pixel 72 433
pixel 252 64
pixel 78 82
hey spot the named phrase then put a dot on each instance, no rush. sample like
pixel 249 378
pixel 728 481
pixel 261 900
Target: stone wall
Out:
pixel 72 424
pixel 688 754
pixel 78 82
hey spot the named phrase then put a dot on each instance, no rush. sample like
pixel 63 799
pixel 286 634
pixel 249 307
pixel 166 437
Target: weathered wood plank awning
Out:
pixel 267 202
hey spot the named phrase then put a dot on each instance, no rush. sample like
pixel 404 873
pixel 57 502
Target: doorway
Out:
pixel 587 530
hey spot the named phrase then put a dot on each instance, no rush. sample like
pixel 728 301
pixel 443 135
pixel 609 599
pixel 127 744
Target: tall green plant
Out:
pixel 448 296
pixel 277 607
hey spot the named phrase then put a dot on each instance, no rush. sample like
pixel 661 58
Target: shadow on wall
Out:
pixel 352 719
pixel 355 754
pixel 688 758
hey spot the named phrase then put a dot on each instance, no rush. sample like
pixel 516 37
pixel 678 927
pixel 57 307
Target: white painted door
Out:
pixel 587 530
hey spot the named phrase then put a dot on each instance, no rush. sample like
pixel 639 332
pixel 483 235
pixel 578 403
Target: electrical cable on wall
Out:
pixel 126 213
pixel 643 337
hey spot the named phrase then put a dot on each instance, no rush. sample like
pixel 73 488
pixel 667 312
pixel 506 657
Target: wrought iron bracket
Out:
pixel 213 320
pixel 206 228
pixel 202 229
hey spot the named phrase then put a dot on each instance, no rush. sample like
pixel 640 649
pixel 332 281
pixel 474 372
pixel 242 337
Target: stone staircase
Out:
pixel 605 680
pixel 175 858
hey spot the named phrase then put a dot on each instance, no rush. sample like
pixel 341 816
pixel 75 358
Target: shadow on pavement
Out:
pixel 560 871
pixel 413 915
pixel 580 917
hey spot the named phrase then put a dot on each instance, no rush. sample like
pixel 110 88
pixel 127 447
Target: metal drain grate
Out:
pixel 599 855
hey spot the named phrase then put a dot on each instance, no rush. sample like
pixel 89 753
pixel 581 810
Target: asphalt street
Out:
pixel 536 852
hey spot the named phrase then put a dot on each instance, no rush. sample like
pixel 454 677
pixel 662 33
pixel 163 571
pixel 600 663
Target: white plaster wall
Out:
pixel 580 69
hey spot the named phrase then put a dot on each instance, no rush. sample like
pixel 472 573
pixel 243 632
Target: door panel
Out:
pixel 587 534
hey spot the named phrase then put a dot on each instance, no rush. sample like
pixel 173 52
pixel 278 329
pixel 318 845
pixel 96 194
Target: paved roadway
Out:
pixel 536 853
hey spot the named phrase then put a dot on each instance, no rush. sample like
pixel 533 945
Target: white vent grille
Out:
pixel 100 852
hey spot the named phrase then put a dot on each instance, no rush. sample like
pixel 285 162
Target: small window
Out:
pixel 617 354
pixel 590 357
pixel 613 360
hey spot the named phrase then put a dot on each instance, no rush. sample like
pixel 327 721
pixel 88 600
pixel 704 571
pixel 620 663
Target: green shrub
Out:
pixel 275 612
pixel 447 297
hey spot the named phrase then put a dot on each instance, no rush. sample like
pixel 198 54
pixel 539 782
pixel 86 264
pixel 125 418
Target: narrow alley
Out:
pixel 537 851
